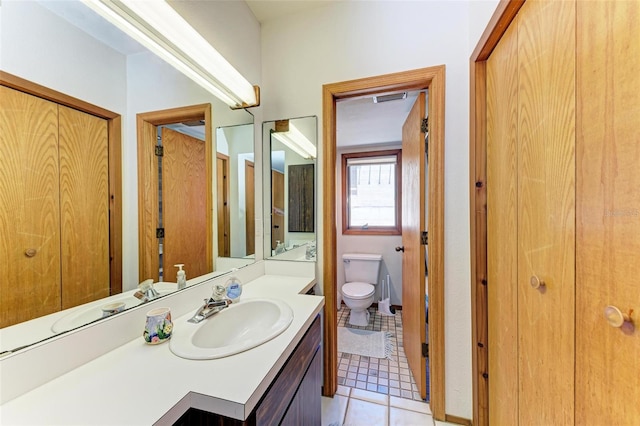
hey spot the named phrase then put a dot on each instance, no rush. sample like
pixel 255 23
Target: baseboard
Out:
pixel 457 420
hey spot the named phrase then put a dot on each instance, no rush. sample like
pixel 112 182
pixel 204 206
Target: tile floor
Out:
pixel 355 407
pixel 385 376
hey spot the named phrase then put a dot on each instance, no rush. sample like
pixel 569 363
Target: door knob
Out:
pixel 30 252
pixel 536 282
pixel 400 249
pixel 615 317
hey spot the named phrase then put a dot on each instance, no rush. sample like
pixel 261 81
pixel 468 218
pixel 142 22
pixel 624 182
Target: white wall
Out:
pixel 349 40
pixel 40 47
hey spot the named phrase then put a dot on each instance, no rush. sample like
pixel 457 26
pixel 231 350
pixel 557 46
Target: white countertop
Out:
pixel 138 383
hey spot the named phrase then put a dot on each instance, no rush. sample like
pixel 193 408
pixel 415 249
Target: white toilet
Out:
pixel 361 276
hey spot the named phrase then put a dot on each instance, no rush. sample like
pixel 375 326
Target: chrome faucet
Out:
pixel 146 292
pixel 217 302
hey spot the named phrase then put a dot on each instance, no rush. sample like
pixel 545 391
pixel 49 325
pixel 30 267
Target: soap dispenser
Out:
pixel 181 277
pixel 233 288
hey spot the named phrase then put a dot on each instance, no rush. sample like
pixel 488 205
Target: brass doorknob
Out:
pixel 536 282
pixel 615 317
pixel 30 252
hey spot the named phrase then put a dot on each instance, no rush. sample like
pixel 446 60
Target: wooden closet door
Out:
pixel 608 212
pixel 84 207
pixel 502 228
pixel 546 212
pixel 29 207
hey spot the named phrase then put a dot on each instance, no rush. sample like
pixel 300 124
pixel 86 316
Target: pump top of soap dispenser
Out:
pixel 181 276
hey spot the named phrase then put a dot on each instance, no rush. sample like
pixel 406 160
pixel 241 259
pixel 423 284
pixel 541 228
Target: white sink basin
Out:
pixel 92 311
pixel 241 326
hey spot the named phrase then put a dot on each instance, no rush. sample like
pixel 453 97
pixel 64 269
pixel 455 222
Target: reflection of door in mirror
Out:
pixel 250 215
pixel 55 207
pixel 277 208
pixel 222 201
pixel 183 203
pixel 181 210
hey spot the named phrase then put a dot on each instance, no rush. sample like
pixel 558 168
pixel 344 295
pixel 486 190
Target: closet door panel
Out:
pixel 502 239
pixel 608 211
pixel 84 207
pixel 29 209
pixel 546 212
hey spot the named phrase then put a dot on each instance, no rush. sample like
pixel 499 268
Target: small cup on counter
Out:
pixel 158 327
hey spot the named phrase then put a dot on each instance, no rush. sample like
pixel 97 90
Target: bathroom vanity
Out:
pixel 135 383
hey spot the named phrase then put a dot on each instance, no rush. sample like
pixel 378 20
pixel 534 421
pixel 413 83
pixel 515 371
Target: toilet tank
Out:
pixel 361 267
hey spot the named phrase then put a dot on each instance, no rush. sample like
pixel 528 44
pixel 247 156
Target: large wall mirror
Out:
pixel 65 47
pixel 290 220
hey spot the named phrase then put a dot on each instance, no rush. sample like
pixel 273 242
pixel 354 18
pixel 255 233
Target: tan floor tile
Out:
pixel 364 413
pixel 408 404
pixel 334 409
pixel 400 417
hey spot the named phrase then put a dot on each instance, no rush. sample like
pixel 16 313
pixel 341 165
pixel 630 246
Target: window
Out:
pixel 371 194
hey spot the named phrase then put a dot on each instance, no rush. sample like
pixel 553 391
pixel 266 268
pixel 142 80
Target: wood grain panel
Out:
pixel 184 208
pixel 29 207
pixel 277 208
pixel 84 207
pixel 281 392
pixel 608 211
pixel 222 205
pixel 546 211
pixel 250 204
pixel 413 223
pixel 502 228
pixel 301 190
pixel 148 215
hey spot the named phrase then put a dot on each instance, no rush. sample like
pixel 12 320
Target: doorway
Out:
pixel 431 79
pixel 150 228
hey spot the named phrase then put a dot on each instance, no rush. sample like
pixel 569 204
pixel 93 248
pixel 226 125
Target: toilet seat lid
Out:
pixel 356 290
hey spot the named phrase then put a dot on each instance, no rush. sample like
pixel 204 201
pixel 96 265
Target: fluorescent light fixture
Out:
pixel 159 28
pixel 298 142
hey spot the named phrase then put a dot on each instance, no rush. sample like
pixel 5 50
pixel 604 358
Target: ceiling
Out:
pixel 360 121
pixel 265 10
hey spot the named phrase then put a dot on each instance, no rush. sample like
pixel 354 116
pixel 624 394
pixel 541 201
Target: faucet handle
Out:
pixel 219 291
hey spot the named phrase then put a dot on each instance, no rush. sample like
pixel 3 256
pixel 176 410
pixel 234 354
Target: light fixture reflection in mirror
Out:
pixel 290 232
pixel 49 47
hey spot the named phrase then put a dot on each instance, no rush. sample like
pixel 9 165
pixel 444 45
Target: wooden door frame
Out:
pixel 147 131
pixel 114 129
pixel 433 79
pixel 503 16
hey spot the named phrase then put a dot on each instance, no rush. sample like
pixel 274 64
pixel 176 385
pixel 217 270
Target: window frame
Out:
pixel 372 230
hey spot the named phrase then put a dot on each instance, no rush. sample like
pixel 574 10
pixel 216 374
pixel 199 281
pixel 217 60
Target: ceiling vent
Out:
pixel 391 97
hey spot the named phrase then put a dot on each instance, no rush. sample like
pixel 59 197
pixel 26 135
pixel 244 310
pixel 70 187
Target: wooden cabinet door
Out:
pixel 84 207
pixel 29 207
pixel 608 212
pixel 546 212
